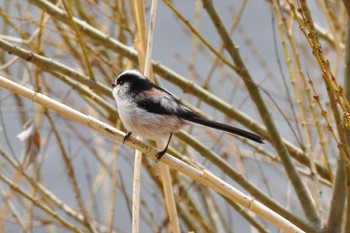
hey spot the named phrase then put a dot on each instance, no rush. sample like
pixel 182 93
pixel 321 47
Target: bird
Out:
pixel 152 112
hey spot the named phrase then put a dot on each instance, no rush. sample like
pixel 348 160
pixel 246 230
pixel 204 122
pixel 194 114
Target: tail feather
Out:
pixel 226 128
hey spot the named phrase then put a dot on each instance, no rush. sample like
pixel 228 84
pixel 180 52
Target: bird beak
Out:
pixel 113 85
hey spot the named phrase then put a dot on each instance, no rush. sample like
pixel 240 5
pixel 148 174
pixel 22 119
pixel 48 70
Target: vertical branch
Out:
pixel 141 38
pixel 140 43
pixel 145 59
pixel 114 190
pixel 164 169
pixel 347 94
pixel 169 193
pixel 148 61
pixel 136 192
pixel 337 205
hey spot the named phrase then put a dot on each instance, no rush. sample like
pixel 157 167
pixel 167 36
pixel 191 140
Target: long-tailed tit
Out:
pixel 151 112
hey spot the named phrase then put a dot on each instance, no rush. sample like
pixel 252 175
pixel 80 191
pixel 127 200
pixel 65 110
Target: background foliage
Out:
pixel 277 68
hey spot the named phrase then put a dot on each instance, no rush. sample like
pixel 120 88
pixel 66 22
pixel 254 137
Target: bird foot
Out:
pixel 127 135
pixel 160 155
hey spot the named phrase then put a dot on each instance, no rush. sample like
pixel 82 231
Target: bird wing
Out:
pixel 159 101
pixel 162 104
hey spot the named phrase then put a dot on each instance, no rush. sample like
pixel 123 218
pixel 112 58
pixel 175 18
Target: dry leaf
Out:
pixel 31 137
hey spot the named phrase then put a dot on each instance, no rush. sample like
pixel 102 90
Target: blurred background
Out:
pixel 283 49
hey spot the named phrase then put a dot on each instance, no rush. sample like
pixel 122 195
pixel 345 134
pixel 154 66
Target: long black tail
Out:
pixel 226 128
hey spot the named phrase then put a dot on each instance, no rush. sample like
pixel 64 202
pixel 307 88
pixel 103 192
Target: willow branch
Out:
pixel 203 176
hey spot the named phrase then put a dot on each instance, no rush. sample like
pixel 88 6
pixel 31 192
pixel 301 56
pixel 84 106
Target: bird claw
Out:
pixel 160 155
pixel 127 135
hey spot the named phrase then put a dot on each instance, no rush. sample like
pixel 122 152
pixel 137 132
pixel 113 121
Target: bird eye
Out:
pixel 120 82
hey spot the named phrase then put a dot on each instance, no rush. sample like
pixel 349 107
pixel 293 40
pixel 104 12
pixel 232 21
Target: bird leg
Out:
pixel 161 153
pixel 127 135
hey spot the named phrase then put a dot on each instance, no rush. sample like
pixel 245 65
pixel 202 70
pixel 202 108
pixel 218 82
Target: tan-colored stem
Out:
pixel 204 177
